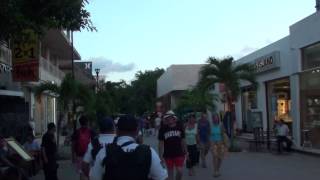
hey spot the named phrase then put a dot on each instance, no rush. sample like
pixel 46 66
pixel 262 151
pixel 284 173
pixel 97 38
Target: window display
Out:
pixel 310 103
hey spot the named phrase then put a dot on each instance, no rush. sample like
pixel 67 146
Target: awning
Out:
pixel 11 93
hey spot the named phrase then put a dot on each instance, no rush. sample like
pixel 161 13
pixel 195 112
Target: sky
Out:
pixel 136 35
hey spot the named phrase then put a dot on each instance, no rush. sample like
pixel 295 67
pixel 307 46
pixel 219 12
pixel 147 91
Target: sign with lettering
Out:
pixel 267 62
pixel 24 72
pixel 25 58
pixel 28 50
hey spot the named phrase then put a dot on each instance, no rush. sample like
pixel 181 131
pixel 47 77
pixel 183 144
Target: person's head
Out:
pixel 215 119
pixel 83 120
pixel 204 116
pixel 170 118
pixel 127 126
pixel 51 128
pixel 192 119
pixel 106 126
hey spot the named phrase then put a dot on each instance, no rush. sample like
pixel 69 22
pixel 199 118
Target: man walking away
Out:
pixel 124 159
pixel 49 153
pixel 172 146
pixel 105 137
pixel 204 137
pixel 282 136
pixel 80 141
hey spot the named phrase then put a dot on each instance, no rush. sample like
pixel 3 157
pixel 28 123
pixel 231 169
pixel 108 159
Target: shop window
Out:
pixel 279 102
pixel 310 108
pixel 311 57
pixel 249 103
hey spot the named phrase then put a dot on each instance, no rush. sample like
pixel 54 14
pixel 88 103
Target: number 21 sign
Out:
pixel 26 50
pixel 25 58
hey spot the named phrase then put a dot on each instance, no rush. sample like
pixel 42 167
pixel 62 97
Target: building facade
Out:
pixel 288 72
pixel 174 81
pixel 19 76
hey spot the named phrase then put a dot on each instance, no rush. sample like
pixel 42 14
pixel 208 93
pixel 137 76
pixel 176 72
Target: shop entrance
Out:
pixel 279 102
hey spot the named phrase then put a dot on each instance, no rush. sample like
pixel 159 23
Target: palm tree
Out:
pixel 196 100
pixel 225 71
pixel 70 91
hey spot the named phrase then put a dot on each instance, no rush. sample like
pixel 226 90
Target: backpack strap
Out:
pixel 127 143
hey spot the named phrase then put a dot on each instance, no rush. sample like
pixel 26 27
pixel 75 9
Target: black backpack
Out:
pixel 132 165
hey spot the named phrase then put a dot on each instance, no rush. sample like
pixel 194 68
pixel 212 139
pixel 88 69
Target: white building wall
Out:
pixel 177 78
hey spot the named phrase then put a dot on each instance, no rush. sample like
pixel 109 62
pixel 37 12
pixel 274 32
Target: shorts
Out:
pixel 218 149
pixel 175 162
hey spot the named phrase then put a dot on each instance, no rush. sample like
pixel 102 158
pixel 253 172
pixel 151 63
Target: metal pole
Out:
pixel 72 55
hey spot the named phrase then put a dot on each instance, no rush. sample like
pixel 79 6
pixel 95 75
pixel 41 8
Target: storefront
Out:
pixel 279 101
pixel 288 74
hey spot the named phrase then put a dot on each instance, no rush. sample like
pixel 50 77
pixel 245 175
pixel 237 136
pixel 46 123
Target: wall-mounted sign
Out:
pixel 85 66
pixel 267 62
pixel 25 58
pixel 24 72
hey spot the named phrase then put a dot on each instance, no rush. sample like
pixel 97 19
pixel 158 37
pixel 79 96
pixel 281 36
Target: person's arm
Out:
pixel 44 155
pixel 157 170
pixel 73 146
pixel 87 159
pixel 183 142
pixel 161 148
pixel 98 170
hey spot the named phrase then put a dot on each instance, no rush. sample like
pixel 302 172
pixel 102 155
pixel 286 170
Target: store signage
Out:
pixel 25 58
pixel 24 72
pixel 4 68
pixel 267 62
pixel 85 66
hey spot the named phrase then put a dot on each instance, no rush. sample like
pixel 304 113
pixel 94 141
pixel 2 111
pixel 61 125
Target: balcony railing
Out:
pixel 51 69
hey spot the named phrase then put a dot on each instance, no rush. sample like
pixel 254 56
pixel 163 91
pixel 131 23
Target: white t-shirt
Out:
pixel 157 171
pixel 104 139
pixel 282 130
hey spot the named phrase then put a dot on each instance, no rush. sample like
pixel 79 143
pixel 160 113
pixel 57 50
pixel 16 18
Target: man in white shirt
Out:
pixel 282 131
pixel 127 130
pixel 105 137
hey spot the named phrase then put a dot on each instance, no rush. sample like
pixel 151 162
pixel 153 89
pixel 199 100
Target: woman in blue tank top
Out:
pixel 217 143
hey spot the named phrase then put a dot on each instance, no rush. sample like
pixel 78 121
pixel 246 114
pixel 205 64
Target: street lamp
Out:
pixel 97 70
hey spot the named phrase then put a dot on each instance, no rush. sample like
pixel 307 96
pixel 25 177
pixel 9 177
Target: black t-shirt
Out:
pixel 172 138
pixel 49 143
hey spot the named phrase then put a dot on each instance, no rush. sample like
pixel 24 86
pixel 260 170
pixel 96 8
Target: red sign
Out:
pixel 28 71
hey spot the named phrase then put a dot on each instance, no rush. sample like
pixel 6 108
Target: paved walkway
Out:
pixel 240 166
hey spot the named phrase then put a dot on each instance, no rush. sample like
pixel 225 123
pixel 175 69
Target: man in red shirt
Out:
pixel 172 146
